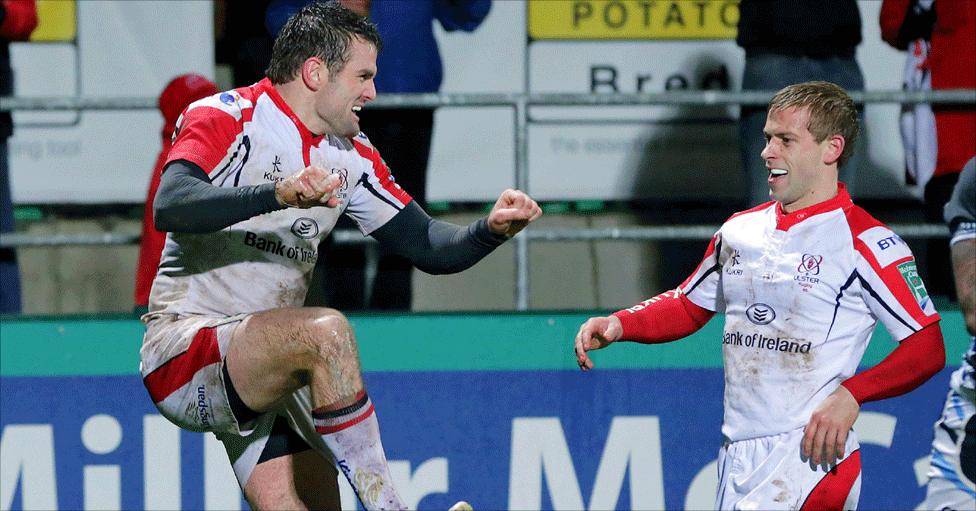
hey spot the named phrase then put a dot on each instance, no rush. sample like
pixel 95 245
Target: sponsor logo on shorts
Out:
pixel 760 314
pixel 760 341
pixel 203 406
pixel 305 228
pixel 909 272
pixel 305 255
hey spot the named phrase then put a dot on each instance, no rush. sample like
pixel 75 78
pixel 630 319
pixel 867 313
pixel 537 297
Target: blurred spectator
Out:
pixel 176 96
pixel 410 62
pixel 18 18
pixel 242 43
pixel 907 25
pixel 950 60
pixel 793 42
pixel 952 64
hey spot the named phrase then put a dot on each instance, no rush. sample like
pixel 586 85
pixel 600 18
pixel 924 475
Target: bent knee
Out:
pixel 329 332
pixel 328 323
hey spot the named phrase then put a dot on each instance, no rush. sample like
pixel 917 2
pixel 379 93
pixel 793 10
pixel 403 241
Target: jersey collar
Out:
pixel 786 220
pixel 307 135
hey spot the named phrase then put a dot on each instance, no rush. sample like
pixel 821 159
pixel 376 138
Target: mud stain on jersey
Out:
pixel 290 296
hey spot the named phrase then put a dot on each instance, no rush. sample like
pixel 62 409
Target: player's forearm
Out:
pixel 916 359
pixel 666 317
pixel 188 202
pixel 964 269
pixel 437 247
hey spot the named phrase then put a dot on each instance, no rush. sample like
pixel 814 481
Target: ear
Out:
pixel 833 148
pixel 315 73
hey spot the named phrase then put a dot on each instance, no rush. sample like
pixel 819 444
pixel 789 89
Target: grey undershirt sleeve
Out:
pixel 187 202
pixel 437 247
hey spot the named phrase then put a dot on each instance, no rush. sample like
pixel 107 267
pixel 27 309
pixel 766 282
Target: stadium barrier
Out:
pixel 520 104
pixel 490 408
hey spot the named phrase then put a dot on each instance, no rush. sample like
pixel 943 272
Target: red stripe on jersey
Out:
pixel 832 491
pixel 325 430
pixel 309 139
pixel 708 253
pixel 382 172
pixel 179 370
pixel 204 136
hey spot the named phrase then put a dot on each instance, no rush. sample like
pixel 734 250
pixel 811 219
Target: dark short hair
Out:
pixel 832 111
pixel 320 29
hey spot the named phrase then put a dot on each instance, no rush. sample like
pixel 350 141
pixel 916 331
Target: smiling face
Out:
pixel 344 93
pixel 802 171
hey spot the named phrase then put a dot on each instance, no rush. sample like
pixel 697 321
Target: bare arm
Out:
pixel 964 269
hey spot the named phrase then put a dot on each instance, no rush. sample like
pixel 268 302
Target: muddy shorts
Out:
pixel 771 473
pixel 183 369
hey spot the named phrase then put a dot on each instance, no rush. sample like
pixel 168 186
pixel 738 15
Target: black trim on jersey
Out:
pixel 840 294
pixel 369 186
pixel 230 162
pixel 868 288
pixel 718 248
pixel 246 144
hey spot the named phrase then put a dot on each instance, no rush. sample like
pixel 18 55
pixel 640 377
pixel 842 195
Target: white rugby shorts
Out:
pixel 770 472
pixel 182 361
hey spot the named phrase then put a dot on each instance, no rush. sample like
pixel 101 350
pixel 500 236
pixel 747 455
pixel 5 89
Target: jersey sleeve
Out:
pixel 702 286
pixel 376 198
pixel 209 134
pixel 891 286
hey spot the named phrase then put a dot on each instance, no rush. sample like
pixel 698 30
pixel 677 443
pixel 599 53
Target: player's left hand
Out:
pixel 512 212
pixel 825 437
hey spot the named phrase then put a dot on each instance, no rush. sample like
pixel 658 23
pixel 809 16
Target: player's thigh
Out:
pixel 303 480
pixel 271 351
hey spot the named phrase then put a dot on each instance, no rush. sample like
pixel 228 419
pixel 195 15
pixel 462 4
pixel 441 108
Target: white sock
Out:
pixel 353 435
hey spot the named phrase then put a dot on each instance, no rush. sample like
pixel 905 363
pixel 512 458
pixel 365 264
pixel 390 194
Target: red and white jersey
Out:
pixel 250 136
pixel 801 293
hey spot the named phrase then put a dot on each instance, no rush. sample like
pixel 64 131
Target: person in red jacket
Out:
pixel 941 36
pixel 176 96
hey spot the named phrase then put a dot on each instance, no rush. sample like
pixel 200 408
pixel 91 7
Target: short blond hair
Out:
pixel 832 111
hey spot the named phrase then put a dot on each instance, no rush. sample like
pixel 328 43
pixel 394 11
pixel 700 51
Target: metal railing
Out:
pixel 520 103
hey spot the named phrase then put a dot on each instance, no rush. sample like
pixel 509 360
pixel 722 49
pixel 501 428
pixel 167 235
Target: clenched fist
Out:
pixel 512 212
pixel 311 187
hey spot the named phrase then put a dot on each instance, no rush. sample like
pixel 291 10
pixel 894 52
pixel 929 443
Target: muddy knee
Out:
pixel 333 349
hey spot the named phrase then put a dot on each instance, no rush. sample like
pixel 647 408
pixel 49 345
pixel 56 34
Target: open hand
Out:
pixel 512 212
pixel 596 333
pixel 313 186
pixel 825 436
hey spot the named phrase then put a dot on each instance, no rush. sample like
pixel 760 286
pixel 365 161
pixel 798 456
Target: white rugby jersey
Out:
pixel 801 293
pixel 250 136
